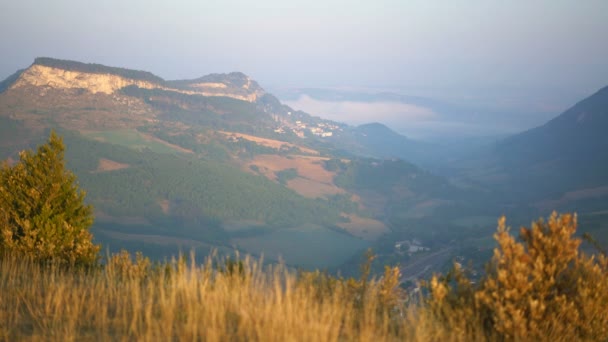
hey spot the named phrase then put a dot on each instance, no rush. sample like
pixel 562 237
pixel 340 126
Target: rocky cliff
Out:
pixel 93 78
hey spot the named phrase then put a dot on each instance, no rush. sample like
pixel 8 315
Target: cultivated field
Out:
pixel 365 228
pixel 106 165
pixel 136 140
pixel 277 144
pixel 313 179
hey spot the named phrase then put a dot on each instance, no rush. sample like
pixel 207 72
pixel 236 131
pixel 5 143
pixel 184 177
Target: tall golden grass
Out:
pixel 537 289
pixel 180 301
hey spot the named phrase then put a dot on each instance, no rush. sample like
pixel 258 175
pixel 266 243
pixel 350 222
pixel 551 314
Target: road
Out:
pixel 423 264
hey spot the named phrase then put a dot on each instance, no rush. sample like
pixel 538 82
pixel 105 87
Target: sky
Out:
pixel 458 48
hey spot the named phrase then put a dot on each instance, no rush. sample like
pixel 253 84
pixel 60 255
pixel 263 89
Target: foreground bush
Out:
pixel 542 288
pixel 42 211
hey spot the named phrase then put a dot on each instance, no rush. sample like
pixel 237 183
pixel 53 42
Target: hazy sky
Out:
pixel 443 44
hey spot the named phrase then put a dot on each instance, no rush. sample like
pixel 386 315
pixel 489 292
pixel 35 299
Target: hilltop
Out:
pixel 210 162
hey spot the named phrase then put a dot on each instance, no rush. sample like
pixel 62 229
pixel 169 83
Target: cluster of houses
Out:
pixel 322 129
pixel 410 247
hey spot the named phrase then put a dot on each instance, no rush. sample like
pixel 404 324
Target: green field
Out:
pixel 473 221
pixel 131 139
pixel 308 246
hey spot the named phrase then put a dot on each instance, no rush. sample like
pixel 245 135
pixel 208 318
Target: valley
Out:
pixel 217 163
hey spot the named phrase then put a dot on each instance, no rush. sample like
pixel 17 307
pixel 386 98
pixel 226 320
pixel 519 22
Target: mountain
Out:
pixel 379 140
pixel 562 164
pixel 215 162
pixel 577 135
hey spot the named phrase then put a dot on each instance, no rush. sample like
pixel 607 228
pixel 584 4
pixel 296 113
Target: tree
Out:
pixel 42 211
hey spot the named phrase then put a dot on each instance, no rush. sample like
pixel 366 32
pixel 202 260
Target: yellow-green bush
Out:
pixel 539 288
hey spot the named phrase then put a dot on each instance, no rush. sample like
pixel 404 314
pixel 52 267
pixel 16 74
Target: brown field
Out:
pixel 365 228
pixel 164 205
pixel 308 167
pixel 269 142
pixel 313 181
pixel 313 189
pixel 106 165
pixel 571 196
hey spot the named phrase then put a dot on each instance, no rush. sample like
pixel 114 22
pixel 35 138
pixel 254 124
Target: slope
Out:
pixel 553 166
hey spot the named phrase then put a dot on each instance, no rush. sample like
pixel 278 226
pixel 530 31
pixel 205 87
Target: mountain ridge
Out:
pixel 161 158
pixel 98 78
pixel 562 157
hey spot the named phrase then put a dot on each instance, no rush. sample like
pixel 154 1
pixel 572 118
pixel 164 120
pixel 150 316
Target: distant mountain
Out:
pixel 215 162
pixel 556 165
pixel 234 84
pixel 97 78
pixel 579 134
pixel 379 141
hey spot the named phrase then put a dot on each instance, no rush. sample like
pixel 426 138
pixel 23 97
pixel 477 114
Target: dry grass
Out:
pixel 540 289
pixel 243 302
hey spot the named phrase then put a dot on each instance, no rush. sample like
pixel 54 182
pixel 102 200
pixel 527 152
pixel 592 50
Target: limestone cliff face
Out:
pixel 220 89
pixel 44 76
pixel 58 78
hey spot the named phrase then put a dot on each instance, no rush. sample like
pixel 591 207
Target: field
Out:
pixel 277 144
pixel 313 189
pixel 365 228
pixel 312 180
pixel 308 246
pixel 106 165
pixel 135 140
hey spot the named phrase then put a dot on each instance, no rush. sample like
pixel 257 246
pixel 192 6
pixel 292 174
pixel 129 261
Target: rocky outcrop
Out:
pixel 44 76
pixel 41 75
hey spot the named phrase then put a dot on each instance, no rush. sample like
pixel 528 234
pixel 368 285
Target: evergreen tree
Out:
pixel 42 211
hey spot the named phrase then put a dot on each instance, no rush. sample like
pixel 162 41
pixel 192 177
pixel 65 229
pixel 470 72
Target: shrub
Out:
pixel 539 288
pixel 42 211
